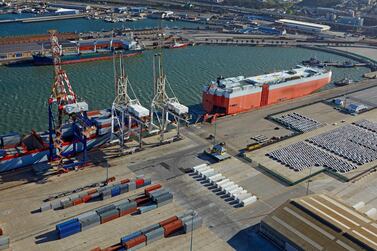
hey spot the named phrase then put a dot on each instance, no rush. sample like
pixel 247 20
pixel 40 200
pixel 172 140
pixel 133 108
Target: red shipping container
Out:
pixel 124 181
pixel 142 200
pixel 169 220
pixel 92 191
pixel 86 198
pixel 135 241
pixel 128 211
pixel 77 201
pixel 172 227
pixel 109 218
pixel 151 188
pixel 139 182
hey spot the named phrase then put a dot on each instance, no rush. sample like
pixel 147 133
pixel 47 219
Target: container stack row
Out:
pixel 182 223
pixel 4 241
pixel 237 194
pixel 154 196
pixel 101 193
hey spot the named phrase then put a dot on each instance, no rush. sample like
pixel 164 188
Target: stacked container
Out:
pixel 68 228
pixel 103 193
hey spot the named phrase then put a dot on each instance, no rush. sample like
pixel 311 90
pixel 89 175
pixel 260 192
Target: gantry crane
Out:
pixel 164 107
pixel 127 113
pixel 70 113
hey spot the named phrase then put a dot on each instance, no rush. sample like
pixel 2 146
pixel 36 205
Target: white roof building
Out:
pixel 303 26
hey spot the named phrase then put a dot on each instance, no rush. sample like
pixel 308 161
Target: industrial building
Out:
pixel 303 26
pixel 318 222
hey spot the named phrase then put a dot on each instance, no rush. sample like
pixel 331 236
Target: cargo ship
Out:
pixel 88 51
pixel 233 95
pixel 17 151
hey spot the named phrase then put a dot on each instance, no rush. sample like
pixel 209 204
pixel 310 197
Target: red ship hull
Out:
pixel 267 96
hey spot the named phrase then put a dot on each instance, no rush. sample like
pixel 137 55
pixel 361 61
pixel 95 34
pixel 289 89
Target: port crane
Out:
pixel 69 112
pixel 127 114
pixel 164 107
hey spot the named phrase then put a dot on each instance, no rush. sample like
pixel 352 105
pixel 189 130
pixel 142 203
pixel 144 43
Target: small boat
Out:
pixel 177 45
pixel 344 82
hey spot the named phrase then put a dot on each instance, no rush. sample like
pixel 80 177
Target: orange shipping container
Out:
pixel 124 181
pixel 151 188
pixel 128 211
pixel 77 201
pixel 136 241
pixel 169 220
pixel 86 198
pixel 172 227
pixel 109 218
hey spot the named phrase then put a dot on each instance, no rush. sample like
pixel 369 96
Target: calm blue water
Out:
pixel 80 25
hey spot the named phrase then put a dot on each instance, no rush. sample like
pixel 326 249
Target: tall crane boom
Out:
pixel 65 99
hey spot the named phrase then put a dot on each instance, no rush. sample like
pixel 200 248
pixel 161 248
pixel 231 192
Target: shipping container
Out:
pixel 151 188
pixel 195 223
pixel 123 188
pixel 86 198
pixel 137 241
pixel 125 211
pixel 139 183
pixel 56 204
pixel 150 228
pixel 77 201
pixel 131 185
pixel 155 235
pixel 142 200
pixel 124 181
pixel 169 220
pixel 172 227
pixel 105 208
pixel 45 206
pixel 186 213
pixel 115 191
pixel 109 215
pixel 145 209
pixel 129 237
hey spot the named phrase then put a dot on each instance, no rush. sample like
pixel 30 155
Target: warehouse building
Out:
pixel 318 222
pixel 303 26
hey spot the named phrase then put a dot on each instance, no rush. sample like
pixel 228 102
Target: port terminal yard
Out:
pixel 169 164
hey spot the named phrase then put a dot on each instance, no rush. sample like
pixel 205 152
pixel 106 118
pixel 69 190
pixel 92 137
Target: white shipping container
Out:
pixel 178 108
pixel 199 166
pixel 250 200
pixel 138 110
pixel 76 107
pixel 222 182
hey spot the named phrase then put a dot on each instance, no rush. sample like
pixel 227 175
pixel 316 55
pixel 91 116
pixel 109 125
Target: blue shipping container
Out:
pixel 130 237
pixel 67 223
pixel 115 191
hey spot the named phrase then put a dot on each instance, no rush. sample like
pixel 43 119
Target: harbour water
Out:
pixel 25 90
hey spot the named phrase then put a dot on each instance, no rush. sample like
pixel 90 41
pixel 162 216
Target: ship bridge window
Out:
pixel 292 72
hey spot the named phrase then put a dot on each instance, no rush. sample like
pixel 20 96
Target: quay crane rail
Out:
pixel 68 110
